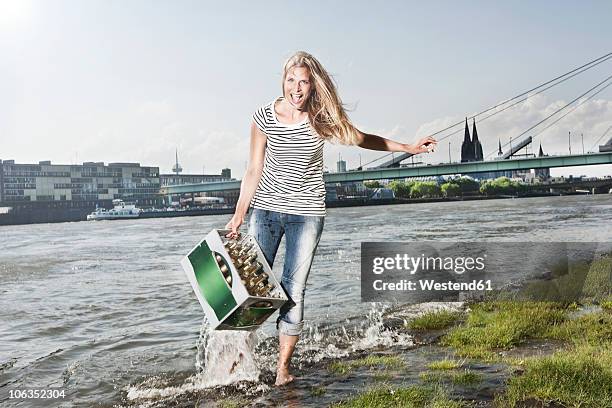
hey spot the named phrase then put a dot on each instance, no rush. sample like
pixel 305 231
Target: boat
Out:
pixel 120 210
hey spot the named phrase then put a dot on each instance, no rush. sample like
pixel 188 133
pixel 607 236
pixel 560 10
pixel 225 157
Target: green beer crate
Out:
pixel 231 298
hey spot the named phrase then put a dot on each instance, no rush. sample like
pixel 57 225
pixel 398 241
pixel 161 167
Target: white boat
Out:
pixel 120 210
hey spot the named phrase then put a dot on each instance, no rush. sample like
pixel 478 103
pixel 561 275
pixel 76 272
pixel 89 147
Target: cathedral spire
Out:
pixel 478 155
pixel 466 135
pixel 499 152
pixel 541 152
pixel 467 148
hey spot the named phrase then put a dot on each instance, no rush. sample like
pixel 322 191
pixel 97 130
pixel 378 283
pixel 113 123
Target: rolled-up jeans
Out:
pixel 302 235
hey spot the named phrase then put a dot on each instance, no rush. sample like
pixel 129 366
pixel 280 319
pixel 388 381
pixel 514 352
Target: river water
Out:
pixel 104 311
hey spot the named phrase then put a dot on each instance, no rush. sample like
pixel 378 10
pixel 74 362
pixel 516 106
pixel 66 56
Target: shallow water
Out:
pixel 104 309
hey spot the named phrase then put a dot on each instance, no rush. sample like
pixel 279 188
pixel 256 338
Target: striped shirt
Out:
pixel 292 177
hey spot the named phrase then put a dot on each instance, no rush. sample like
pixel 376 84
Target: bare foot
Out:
pixel 283 377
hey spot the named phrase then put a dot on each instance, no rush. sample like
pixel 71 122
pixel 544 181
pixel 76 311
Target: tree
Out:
pixel 400 189
pixel 466 184
pixel 450 189
pixel 501 185
pixel 487 188
pixel 424 189
pixel 372 184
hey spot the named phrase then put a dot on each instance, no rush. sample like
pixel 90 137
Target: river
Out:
pixel 104 310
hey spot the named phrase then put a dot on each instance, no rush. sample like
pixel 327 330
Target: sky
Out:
pixel 131 81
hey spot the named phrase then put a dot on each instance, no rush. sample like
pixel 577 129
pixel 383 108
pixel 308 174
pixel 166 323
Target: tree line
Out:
pixel 457 187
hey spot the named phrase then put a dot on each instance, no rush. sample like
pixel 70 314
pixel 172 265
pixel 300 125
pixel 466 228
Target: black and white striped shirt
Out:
pixel 292 178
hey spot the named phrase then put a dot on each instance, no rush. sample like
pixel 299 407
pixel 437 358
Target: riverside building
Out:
pixel 46 192
pixel 229 197
pixel 174 179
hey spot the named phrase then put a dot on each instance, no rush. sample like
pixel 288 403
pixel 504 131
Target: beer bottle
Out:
pixel 259 279
pixel 231 245
pixel 251 256
pixel 254 269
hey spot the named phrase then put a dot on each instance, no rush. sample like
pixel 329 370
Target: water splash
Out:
pixel 223 358
pixel 375 334
pixel 226 357
pixel 237 359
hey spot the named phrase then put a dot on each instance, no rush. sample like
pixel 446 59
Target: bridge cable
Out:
pixel 573 109
pixel 569 75
pixel 601 137
pixel 512 105
pixel 554 113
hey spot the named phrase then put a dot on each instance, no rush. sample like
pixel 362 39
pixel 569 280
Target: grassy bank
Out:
pixel 573 312
pixel 416 396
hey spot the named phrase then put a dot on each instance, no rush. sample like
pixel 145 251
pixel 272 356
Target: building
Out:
pixel 89 182
pixel 341 166
pixel 174 179
pixel 544 173
pixel 230 197
pixel 471 149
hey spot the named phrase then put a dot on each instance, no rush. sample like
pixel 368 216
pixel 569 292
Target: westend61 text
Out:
pixel 429 285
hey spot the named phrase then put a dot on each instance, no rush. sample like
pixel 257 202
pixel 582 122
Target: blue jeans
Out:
pixel 302 235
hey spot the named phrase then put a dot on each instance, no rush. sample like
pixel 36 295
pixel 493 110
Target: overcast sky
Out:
pixel 131 81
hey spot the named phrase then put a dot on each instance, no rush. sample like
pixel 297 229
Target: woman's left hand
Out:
pixel 423 145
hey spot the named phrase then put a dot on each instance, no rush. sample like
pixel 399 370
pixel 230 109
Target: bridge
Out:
pixel 421 171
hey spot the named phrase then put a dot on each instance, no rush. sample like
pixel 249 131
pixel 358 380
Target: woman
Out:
pixel 284 180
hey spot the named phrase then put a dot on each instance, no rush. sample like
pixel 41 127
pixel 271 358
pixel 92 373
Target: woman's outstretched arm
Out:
pixel 250 179
pixel 374 142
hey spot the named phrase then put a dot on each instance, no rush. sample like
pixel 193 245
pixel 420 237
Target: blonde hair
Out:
pixel 325 110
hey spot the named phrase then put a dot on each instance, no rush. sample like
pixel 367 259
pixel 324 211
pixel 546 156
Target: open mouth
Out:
pixel 297 98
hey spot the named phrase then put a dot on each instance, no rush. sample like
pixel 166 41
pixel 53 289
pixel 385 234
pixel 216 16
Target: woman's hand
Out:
pixel 423 145
pixel 234 225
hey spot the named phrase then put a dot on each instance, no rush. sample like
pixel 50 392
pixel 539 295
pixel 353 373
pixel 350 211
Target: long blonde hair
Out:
pixel 325 110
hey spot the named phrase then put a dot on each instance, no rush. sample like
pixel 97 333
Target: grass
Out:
pixel 598 282
pixel 444 365
pixel 581 377
pixel 435 377
pixel 234 402
pixel 342 368
pixel 466 378
pixel 476 353
pixel 317 391
pixel 383 377
pixel 408 397
pixel 502 325
pixel 437 320
pixel 592 328
pixel 577 283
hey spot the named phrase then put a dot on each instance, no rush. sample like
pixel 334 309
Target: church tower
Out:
pixel 542 173
pixel 540 153
pixel 478 156
pixel 467 149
